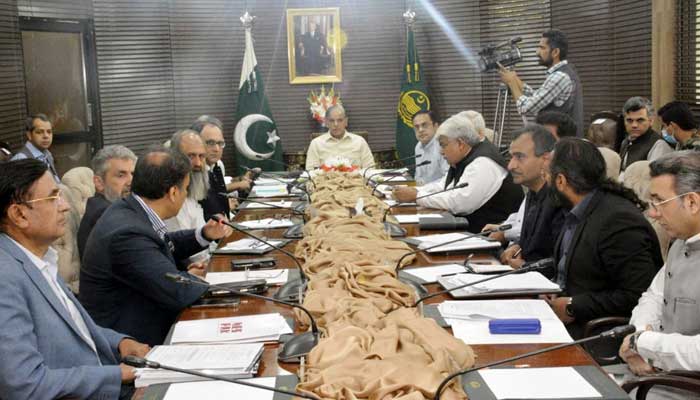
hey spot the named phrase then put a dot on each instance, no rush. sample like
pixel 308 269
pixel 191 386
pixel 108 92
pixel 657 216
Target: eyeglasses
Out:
pixel 55 199
pixel 655 205
pixel 212 143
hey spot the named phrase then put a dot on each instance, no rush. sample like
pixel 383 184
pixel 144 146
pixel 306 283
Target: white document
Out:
pixel 269 191
pixel 510 283
pixel 413 218
pixel 489 268
pixel 267 223
pixel 270 204
pixel 469 243
pixel 220 390
pixel 431 274
pixel 538 383
pixel 248 244
pixel 264 181
pixel 247 329
pixel 391 203
pixel 206 356
pixel 272 276
pixel 470 321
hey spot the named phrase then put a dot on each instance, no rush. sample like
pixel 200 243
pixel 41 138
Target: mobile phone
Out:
pixel 253 263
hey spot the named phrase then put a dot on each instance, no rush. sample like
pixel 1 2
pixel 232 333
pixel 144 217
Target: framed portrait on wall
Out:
pixel 314 45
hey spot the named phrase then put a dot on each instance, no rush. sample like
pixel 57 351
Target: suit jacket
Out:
pixel 122 277
pixel 613 258
pixel 43 354
pixel 94 208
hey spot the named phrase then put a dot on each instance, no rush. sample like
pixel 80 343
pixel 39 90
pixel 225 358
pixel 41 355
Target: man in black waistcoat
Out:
pixel 542 219
pixel 561 90
pixel 642 142
pixel 490 195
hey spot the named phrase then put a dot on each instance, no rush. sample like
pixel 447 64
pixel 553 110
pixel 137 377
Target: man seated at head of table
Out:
pixel 128 253
pixel 490 194
pixel 49 346
pixel 668 316
pixel 607 253
pixel 338 142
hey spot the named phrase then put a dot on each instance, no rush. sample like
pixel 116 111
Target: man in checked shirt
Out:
pixel 561 90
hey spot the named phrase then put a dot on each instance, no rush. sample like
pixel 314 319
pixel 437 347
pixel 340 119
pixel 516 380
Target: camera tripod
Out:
pixel 499 118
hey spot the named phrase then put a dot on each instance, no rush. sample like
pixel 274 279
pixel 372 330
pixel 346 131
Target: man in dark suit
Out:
pixel 113 168
pixel 49 346
pixel 128 253
pixel 607 253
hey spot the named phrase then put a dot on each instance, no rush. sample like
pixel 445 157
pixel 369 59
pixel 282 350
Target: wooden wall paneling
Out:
pixel 13 100
pixel 135 71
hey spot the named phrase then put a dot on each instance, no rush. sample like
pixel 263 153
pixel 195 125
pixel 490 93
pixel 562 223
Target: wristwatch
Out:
pixel 634 339
pixel 569 308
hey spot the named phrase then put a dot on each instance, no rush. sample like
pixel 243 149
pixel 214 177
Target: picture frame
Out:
pixel 314 45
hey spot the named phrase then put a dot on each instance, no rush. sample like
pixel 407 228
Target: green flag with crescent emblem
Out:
pixel 414 97
pixel 255 137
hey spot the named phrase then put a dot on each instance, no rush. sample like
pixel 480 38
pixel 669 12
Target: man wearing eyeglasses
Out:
pixel 211 131
pixel 667 316
pixel 49 346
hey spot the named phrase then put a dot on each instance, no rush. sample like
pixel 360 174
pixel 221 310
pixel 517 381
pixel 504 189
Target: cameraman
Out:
pixel 561 90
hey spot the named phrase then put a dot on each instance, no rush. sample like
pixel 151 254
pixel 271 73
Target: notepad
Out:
pixel 267 223
pixel 271 276
pixel 413 218
pixel 509 283
pixel 468 243
pixel 247 329
pixel 271 204
pixel 249 245
pixel 431 274
pixel 221 390
pixel 538 383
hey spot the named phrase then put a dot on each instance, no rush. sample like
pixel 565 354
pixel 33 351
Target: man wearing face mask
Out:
pixel 561 90
pixel 607 253
pixel 680 127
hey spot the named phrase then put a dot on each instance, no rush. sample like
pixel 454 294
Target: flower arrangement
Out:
pixel 321 102
pixel 340 164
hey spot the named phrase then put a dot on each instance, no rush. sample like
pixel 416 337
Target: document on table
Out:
pixel 249 244
pixel 271 276
pixel 509 283
pixel 262 181
pixel 431 274
pixel 232 361
pixel 470 321
pixel 269 191
pixel 392 203
pixel 247 329
pixel 538 383
pixel 413 218
pixel 221 390
pixel 270 204
pixel 266 223
pixel 468 243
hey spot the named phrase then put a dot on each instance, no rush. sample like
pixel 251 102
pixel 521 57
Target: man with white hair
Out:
pixel 338 142
pixel 490 195
pixel 477 120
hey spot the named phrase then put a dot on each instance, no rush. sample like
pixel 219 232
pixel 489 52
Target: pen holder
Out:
pixel 515 326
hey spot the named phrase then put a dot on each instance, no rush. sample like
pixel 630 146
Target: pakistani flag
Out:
pixel 414 97
pixel 256 140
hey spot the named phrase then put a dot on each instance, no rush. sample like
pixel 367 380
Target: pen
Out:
pixel 517 253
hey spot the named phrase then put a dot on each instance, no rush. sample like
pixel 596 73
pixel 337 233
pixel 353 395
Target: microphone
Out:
pixel 535 266
pixel 364 174
pixel 284 164
pixel 459 186
pixel 294 348
pixel 422 164
pixel 293 210
pixel 289 290
pixel 487 232
pixel 615 333
pixel 138 362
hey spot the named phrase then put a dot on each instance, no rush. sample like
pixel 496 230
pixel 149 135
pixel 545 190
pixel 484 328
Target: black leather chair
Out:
pixel 685 380
pixel 604 351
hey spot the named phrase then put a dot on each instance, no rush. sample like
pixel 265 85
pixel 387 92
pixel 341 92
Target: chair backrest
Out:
pixel 612 163
pixel 363 134
pixel 77 186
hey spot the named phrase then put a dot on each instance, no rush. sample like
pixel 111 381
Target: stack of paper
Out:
pixel 413 218
pixel 231 361
pixel 538 383
pixel 272 276
pixel 263 181
pixel 248 329
pixel 508 283
pixel 470 320
pixel 431 274
pixel 468 243
pixel 269 191
pixel 392 203
pixel 269 204
pixel 266 223
pixel 221 390
pixel 249 244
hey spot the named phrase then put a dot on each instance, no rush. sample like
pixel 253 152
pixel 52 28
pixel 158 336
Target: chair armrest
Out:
pixel 596 324
pixel 645 383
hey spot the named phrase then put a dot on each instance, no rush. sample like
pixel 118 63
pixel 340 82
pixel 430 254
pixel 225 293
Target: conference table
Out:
pixel 270 366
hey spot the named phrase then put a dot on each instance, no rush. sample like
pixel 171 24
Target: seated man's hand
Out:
pixel 243 184
pixel 128 373
pixel 558 305
pixel 405 194
pixel 513 256
pixel 215 230
pixel 634 361
pixel 130 347
pixel 198 269
pixel 500 236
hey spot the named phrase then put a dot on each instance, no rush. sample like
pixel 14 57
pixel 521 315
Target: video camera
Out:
pixel 506 53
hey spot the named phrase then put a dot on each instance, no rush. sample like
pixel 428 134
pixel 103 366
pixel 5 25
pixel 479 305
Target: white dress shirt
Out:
pixel 515 220
pixel 438 165
pixel 668 350
pixel 48 266
pixel 485 178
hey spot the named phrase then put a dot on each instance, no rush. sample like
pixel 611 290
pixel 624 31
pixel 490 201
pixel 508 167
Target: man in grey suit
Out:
pixel 49 346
